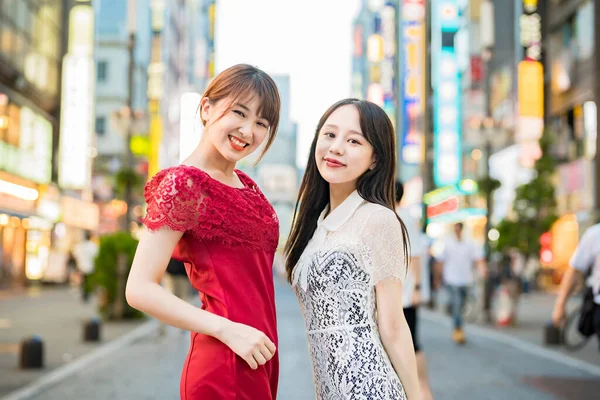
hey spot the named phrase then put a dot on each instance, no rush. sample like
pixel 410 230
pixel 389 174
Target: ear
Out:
pixel 373 164
pixel 205 109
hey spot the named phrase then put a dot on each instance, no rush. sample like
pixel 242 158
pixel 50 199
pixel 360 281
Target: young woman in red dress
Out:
pixel 214 218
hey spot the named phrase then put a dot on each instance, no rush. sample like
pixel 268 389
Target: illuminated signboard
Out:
pixel 530 84
pixel 445 207
pixel 531 30
pixel 388 64
pixel 413 80
pixel 32 158
pixel 77 105
pixel 447 103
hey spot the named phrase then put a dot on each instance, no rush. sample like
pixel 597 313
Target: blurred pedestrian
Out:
pixel 584 262
pixel 214 218
pixel 347 259
pixel 457 261
pixel 412 289
pixel 85 253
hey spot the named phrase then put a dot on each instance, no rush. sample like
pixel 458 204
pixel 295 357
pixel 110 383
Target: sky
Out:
pixel 310 40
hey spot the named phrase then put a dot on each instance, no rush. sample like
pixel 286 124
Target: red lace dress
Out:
pixel 230 237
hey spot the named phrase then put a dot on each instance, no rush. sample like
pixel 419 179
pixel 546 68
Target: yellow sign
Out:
pixel 140 145
pixel 531 89
pixel 155 139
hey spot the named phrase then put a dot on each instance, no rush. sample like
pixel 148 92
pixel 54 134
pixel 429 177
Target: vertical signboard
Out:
pixel 77 104
pixel 530 84
pixel 412 82
pixel 447 144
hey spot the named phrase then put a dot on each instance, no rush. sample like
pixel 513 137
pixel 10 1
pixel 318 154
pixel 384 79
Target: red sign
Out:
pixel 445 207
pixel 476 69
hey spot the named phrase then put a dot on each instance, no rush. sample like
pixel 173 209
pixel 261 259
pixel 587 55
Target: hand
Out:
pixel 558 315
pixel 416 297
pixel 249 343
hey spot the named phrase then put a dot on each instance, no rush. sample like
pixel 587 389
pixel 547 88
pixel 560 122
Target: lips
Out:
pixel 237 144
pixel 334 163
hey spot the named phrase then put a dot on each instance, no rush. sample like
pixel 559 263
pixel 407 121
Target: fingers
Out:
pixel 261 352
pixel 270 345
pixel 251 362
pixel 266 353
pixel 259 357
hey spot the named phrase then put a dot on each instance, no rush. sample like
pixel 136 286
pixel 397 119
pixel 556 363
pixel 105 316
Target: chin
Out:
pixel 335 178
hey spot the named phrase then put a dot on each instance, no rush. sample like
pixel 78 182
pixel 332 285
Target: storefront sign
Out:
pixel 531 30
pixel 445 207
pixel 32 159
pixel 447 144
pixel 77 106
pixel 79 213
pixel 413 80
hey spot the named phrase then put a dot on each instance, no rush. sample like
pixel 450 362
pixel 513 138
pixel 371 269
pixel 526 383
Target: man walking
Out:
pixel 85 253
pixel 457 262
pixel 585 260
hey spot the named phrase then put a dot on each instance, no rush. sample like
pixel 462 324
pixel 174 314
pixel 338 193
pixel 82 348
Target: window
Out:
pixel 102 72
pixel 100 126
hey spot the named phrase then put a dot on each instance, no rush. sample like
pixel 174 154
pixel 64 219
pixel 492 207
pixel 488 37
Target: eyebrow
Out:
pixel 337 127
pixel 248 109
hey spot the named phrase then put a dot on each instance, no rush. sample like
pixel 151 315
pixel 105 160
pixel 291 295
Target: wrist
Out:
pixel 220 328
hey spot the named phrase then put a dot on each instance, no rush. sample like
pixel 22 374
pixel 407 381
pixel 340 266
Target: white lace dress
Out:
pixel 356 246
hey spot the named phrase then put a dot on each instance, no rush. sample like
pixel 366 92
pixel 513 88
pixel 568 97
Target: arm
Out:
pixel 145 293
pixel 395 335
pixel 415 263
pixel 580 262
pixel 571 277
pixel 172 210
pixel 384 237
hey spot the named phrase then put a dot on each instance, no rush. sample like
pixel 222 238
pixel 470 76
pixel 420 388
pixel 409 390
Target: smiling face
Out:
pixel 235 130
pixel 342 152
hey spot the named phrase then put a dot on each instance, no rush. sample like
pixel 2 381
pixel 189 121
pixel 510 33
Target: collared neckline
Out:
pixel 341 214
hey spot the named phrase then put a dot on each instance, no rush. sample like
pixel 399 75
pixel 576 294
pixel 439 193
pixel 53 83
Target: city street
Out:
pixel 485 368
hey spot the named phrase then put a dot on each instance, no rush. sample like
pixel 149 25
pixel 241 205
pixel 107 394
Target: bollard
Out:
pixel 552 335
pixel 32 353
pixel 91 330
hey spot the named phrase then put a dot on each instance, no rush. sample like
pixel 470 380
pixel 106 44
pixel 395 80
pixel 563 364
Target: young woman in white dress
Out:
pixel 347 256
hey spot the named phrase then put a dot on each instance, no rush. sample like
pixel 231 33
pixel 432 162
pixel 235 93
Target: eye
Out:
pixel 263 125
pixel 329 134
pixel 354 141
pixel 241 114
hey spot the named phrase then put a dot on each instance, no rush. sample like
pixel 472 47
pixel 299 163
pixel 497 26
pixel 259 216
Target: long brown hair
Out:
pixel 375 186
pixel 243 81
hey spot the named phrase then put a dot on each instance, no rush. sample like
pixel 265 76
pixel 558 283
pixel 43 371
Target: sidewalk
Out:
pixel 57 315
pixel 535 311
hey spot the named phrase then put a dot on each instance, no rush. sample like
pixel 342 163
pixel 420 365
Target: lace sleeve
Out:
pixel 174 200
pixel 384 238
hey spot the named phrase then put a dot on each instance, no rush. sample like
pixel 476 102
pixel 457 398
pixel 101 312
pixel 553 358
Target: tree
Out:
pixel 534 206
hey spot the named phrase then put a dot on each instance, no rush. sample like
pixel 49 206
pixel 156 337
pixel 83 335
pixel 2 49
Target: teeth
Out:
pixel 237 142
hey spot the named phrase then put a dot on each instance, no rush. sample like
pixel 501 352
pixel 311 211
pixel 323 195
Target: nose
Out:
pixel 246 129
pixel 337 147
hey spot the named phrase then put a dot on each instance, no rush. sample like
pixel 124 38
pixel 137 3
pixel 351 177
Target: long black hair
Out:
pixel 375 186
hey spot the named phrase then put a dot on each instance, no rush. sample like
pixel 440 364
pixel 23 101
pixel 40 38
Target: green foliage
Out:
pixel 106 276
pixel 487 185
pixel 534 206
pixel 127 176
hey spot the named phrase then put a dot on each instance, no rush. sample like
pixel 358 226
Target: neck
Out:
pixel 339 192
pixel 207 158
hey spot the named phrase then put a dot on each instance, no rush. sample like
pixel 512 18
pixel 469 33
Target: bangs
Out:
pixel 267 94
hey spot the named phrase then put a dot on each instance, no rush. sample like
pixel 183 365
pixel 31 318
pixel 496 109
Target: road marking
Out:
pixel 519 344
pixel 60 373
